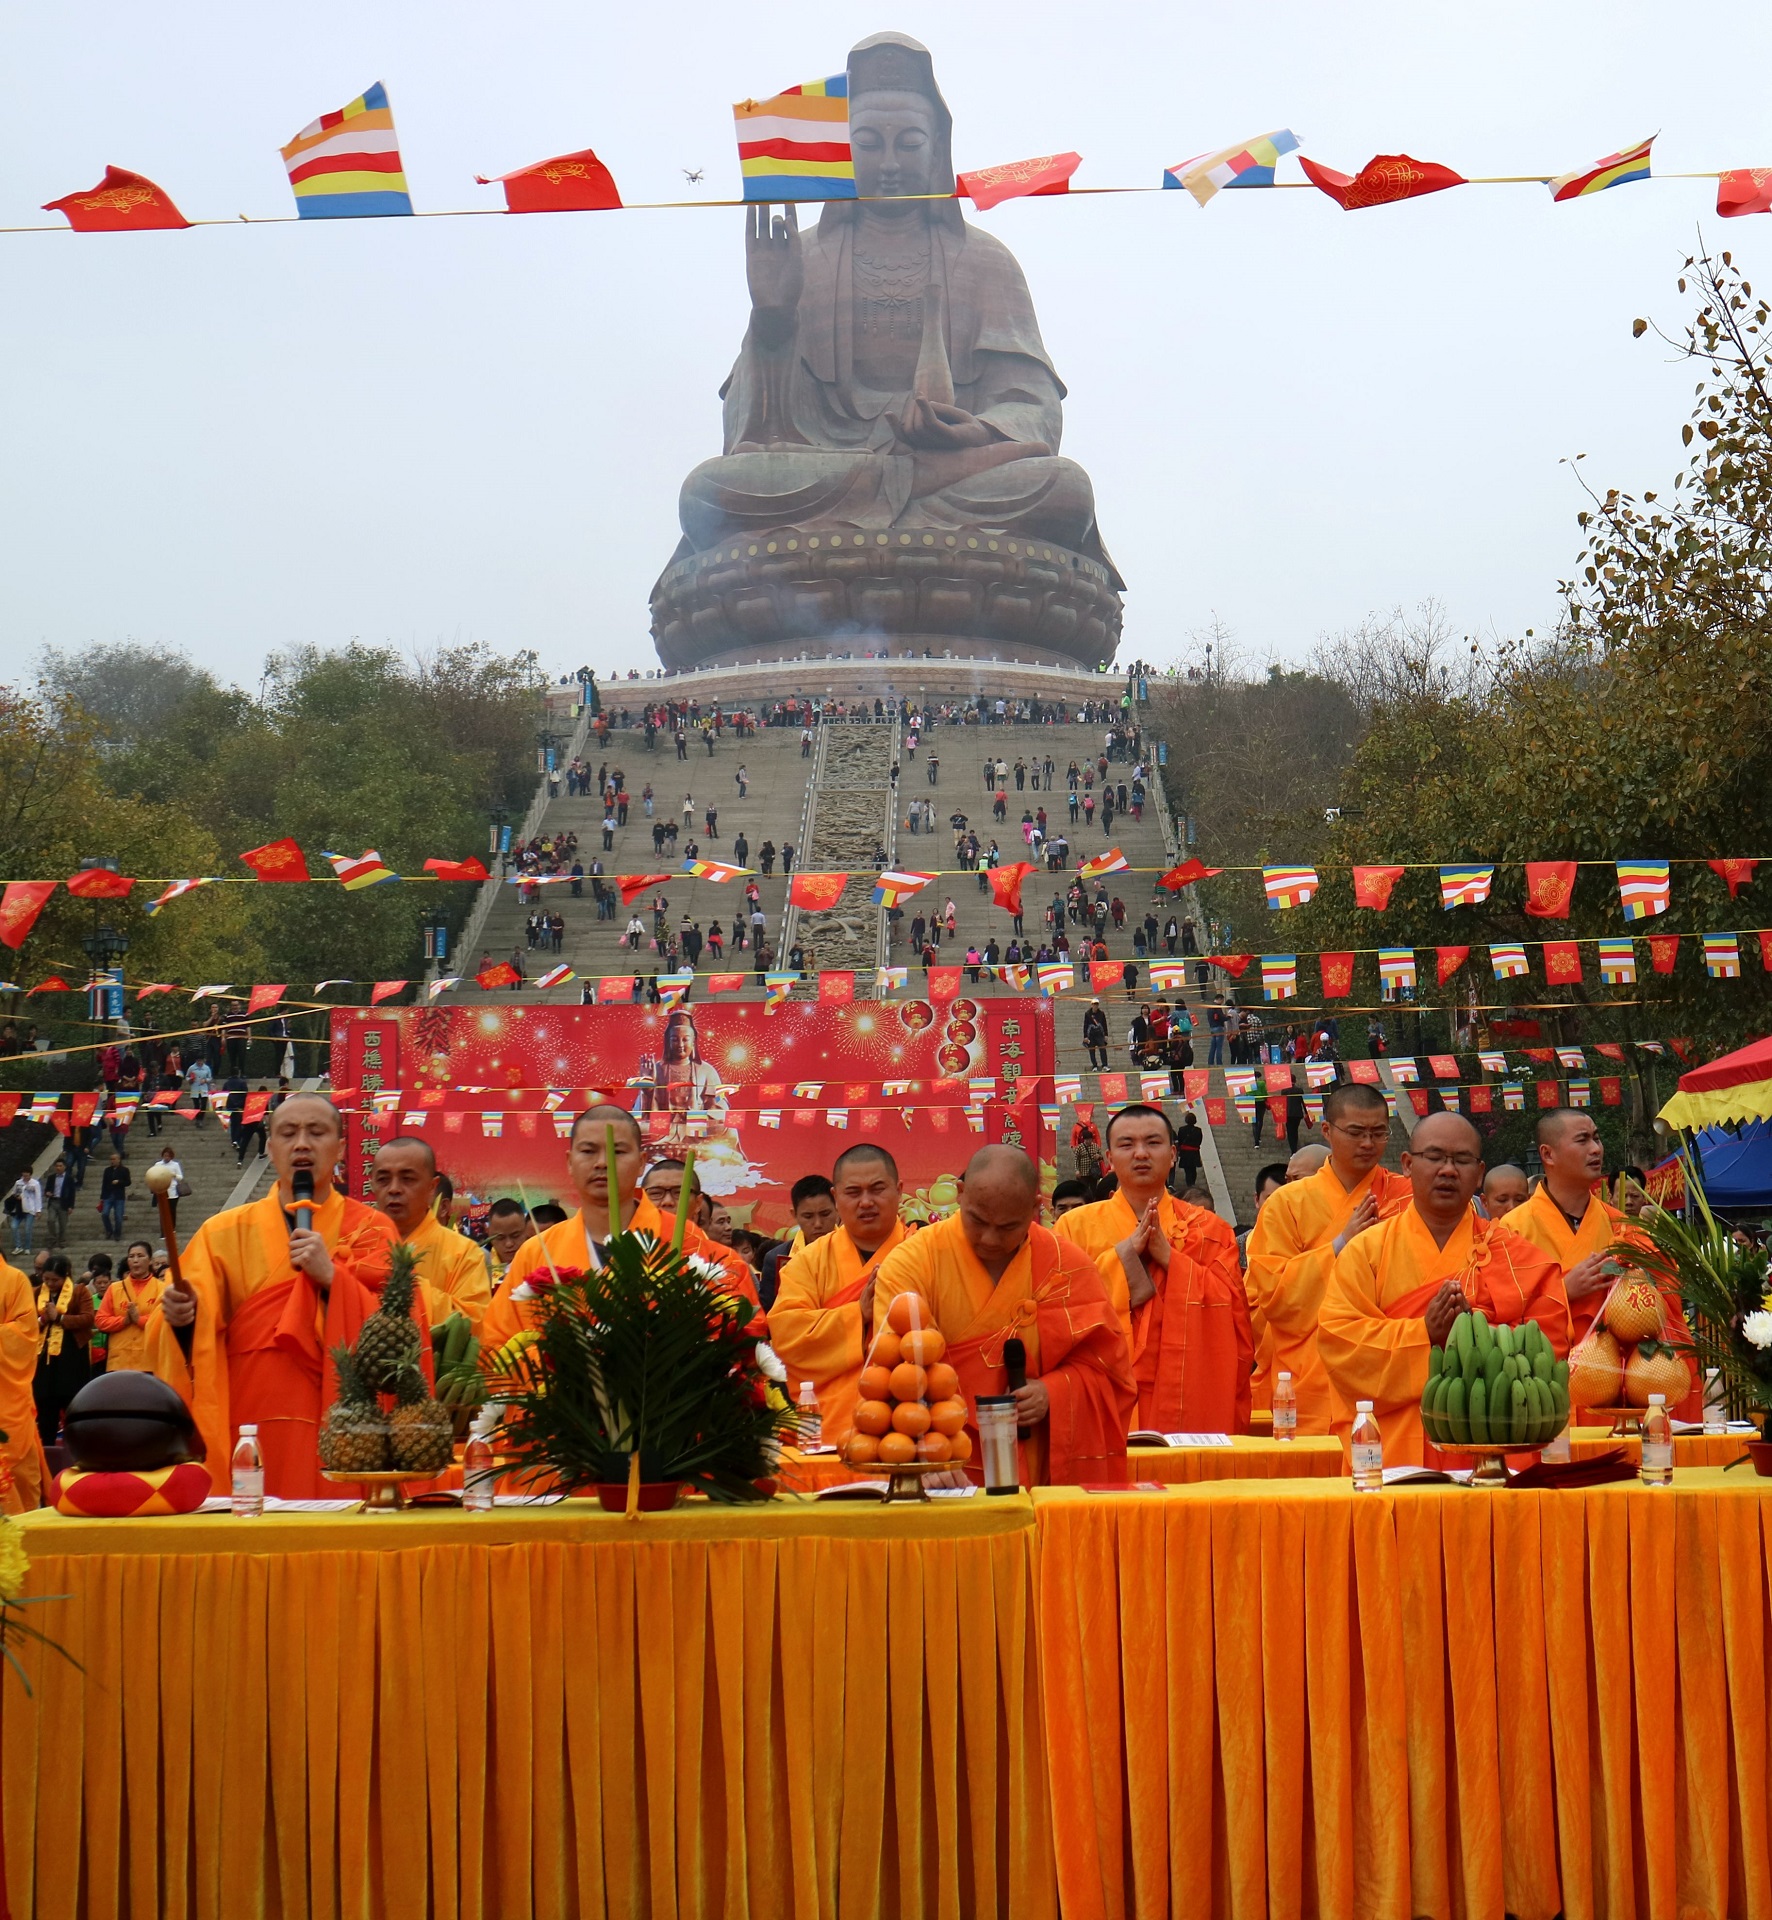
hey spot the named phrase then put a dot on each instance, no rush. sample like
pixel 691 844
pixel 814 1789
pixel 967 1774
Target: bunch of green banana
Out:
pixel 457 1355
pixel 1494 1387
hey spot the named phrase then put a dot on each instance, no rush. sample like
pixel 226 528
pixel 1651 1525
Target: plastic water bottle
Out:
pixel 1285 1407
pixel 811 1424
pixel 1716 1408
pixel 1657 1469
pixel 1556 1452
pixel 248 1470
pixel 1368 1449
pixel 478 1475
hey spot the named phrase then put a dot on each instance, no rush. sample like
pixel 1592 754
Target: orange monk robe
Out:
pixel 260 1342
pixel 452 1270
pixel 564 1247
pixel 1051 1298
pixel 1371 1336
pixel 126 1342
pixel 815 1322
pixel 1539 1219
pixel 1291 1256
pixel 1191 1343
pixel 23 1477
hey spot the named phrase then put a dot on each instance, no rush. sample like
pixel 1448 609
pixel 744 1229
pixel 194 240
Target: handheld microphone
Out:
pixel 301 1188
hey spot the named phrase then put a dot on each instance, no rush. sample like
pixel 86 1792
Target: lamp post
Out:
pixel 500 842
pixel 436 939
pixel 105 947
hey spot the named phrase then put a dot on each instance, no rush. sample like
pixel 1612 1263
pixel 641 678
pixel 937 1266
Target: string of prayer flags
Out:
pixel 20 905
pixel 1396 970
pixel 1735 874
pixel 795 144
pixel 1385 178
pixel 1722 956
pixel 280 860
pixel 1509 960
pixel 1616 170
pixel 122 202
pixel 1643 888
pixel 346 165
pixel 1465 886
pixel 987 187
pixel 569 183
pixel 1187 874
pixel 1249 165
pixel 368 869
pixel 816 892
pixel 1447 961
pixel 1562 963
pixel 1337 970
pixel 1113 861
pixel 1372 886
pixel 1279 976
pixel 1288 886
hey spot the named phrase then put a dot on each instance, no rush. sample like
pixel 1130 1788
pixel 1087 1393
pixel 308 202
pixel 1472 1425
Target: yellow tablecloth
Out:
pixel 1690 1449
pixel 1429 1701
pixel 794 1710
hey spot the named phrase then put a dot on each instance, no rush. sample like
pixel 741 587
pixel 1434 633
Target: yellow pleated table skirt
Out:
pixel 1690 1449
pixel 784 1711
pixel 1294 1698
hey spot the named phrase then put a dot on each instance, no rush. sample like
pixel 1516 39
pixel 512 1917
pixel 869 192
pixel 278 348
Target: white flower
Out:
pixel 715 1274
pixel 1756 1329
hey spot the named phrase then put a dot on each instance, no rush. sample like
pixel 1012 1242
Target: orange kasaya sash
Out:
pixel 849 1295
pixel 1485 1284
pixel 976 1355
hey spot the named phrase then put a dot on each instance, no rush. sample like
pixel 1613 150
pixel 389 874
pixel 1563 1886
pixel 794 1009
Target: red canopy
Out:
pixel 1736 1087
pixel 1732 1070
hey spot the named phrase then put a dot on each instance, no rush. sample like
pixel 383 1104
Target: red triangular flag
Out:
pixel 1006 884
pixel 277 860
pixel 1744 190
pixel 1384 178
pixel 1550 885
pixel 100 883
pixel 501 974
pixel 632 885
pixel 1735 874
pixel 985 187
pixel 1186 874
pixel 385 990
pixel 1372 886
pixel 1448 960
pixel 20 905
pixel 262 997
pixel 816 892
pixel 571 183
pixel 122 202
pixel 471 869
pixel 54 984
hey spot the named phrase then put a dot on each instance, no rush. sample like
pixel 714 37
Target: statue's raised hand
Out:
pixel 774 270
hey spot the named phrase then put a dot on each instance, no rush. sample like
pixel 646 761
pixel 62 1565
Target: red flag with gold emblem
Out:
pixel 278 860
pixel 944 982
pixel 1372 886
pixel 385 990
pixel 100 883
pixel 261 998
pixel 816 892
pixel 1550 884
pixel 1235 964
pixel 836 988
pixel 122 202
pixel 470 869
pixel 501 974
pixel 1447 961
pixel 1105 974
pixel 1482 1099
pixel 632 885
pixel 1006 884
pixel 1186 874
pixel 20 905
pixel 1742 190
pixel 570 183
pixel 1735 874
pixel 1562 963
pixel 1338 974
pixel 1664 950
pixel 985 187
pixel 1385 178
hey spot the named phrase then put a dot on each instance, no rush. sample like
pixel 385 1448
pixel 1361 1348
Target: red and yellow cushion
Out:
pixel 123 1496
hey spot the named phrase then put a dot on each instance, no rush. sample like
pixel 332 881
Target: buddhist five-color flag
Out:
pixel 1237 1080
pixel 176 891
pixel 1509 960
pixel 776 988
pixel 1396 970
pixel 1250 165
pixel 1492 1062
pixel 346 165
pixel 1513 1097
pixel 1067 1087
pixel 886 978
pixel 1643 888
pixel 1404 1070
pixel 720 870
pixel 1580 1093
pixel 1113 861
pixel 1573 1058
pixel 1618 962
pixel 1722 956
pixel 1279 976
pixel 1168 975
pixel 1465 886
pixel 1055 976
pixel 558 977
pixel 1288 886
pixel 795 145
pixel 367 870
pixel 1616 170
pixel 894 886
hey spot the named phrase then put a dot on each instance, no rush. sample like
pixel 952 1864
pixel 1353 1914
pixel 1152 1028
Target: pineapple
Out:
pixel 1633 1310
pixel 389 1340
pixel 1656 1368
pixel 1596 1371
pixel 354 1434
pixel 420 1431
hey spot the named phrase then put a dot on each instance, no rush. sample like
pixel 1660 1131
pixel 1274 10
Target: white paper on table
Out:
pixel 275 1505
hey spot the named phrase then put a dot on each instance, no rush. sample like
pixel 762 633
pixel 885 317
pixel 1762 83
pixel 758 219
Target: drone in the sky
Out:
pixel 692 175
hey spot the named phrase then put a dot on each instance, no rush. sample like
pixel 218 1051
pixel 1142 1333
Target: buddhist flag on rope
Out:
pixel 1250 165
pixel 673 988
pixel 1618 962
pixel 1005 884
pixel 1385 178
pixel 1643 888
pixel 280 860
pixel 558 977
pixel 1055 976
pixel 20 905
pixel 1067 1087
pixel 1509 960
pixel 572 183
pixel 1404 1070
pixel 470 869
pixel 177 891
pixel 795 145
pixel 1573 1058
pixel 725 982
pixel 1396 970
pixel 777 987
pixel 1337 971
pixel 1492 1062
pixel 894 887
pixel 1740 190
pixel 99 883
pixel 886 978
pixel 367 870
pixel 1465 886
pixel 985 187
pixel 816 892
pixel 1168 975
pixel 122 202
pixel 1722 956
pixel 1113 861
pixel 1562 963
pixel 1372 886
pixel 719 870
pixel 1550 884
pixel 632 885
pixel 1580 1093
pixel 346 165
pixel 1186 874
pixel 1513 1097
pixel 1616 170
pixel 1279 976
pixel 1288 886
pixel 1735 874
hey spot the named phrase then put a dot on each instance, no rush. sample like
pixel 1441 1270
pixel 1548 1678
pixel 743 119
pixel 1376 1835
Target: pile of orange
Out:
pixel 911 1407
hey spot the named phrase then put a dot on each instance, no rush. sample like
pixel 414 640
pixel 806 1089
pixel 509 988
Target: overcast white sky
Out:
pixel 235 439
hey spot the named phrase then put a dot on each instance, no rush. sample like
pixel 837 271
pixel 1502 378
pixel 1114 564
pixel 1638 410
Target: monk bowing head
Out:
pixel 1444 1162
pixel 307 1135
pixel 999 1199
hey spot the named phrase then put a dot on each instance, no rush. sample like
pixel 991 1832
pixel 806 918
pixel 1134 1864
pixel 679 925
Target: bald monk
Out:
pixel 452 1271
pixel 1301 1166
pixel 990 1272
pixel 1186 1315
pixel 576 1243
pixel 1568 1218
pixel 823 1317
pixel 245 1338
pixel 1302 1229
pixel 1398 1287
pixel 1504 1188
pixel 23 1475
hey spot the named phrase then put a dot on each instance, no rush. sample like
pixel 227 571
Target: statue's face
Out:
pixel 892 136
pixel 679 1042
